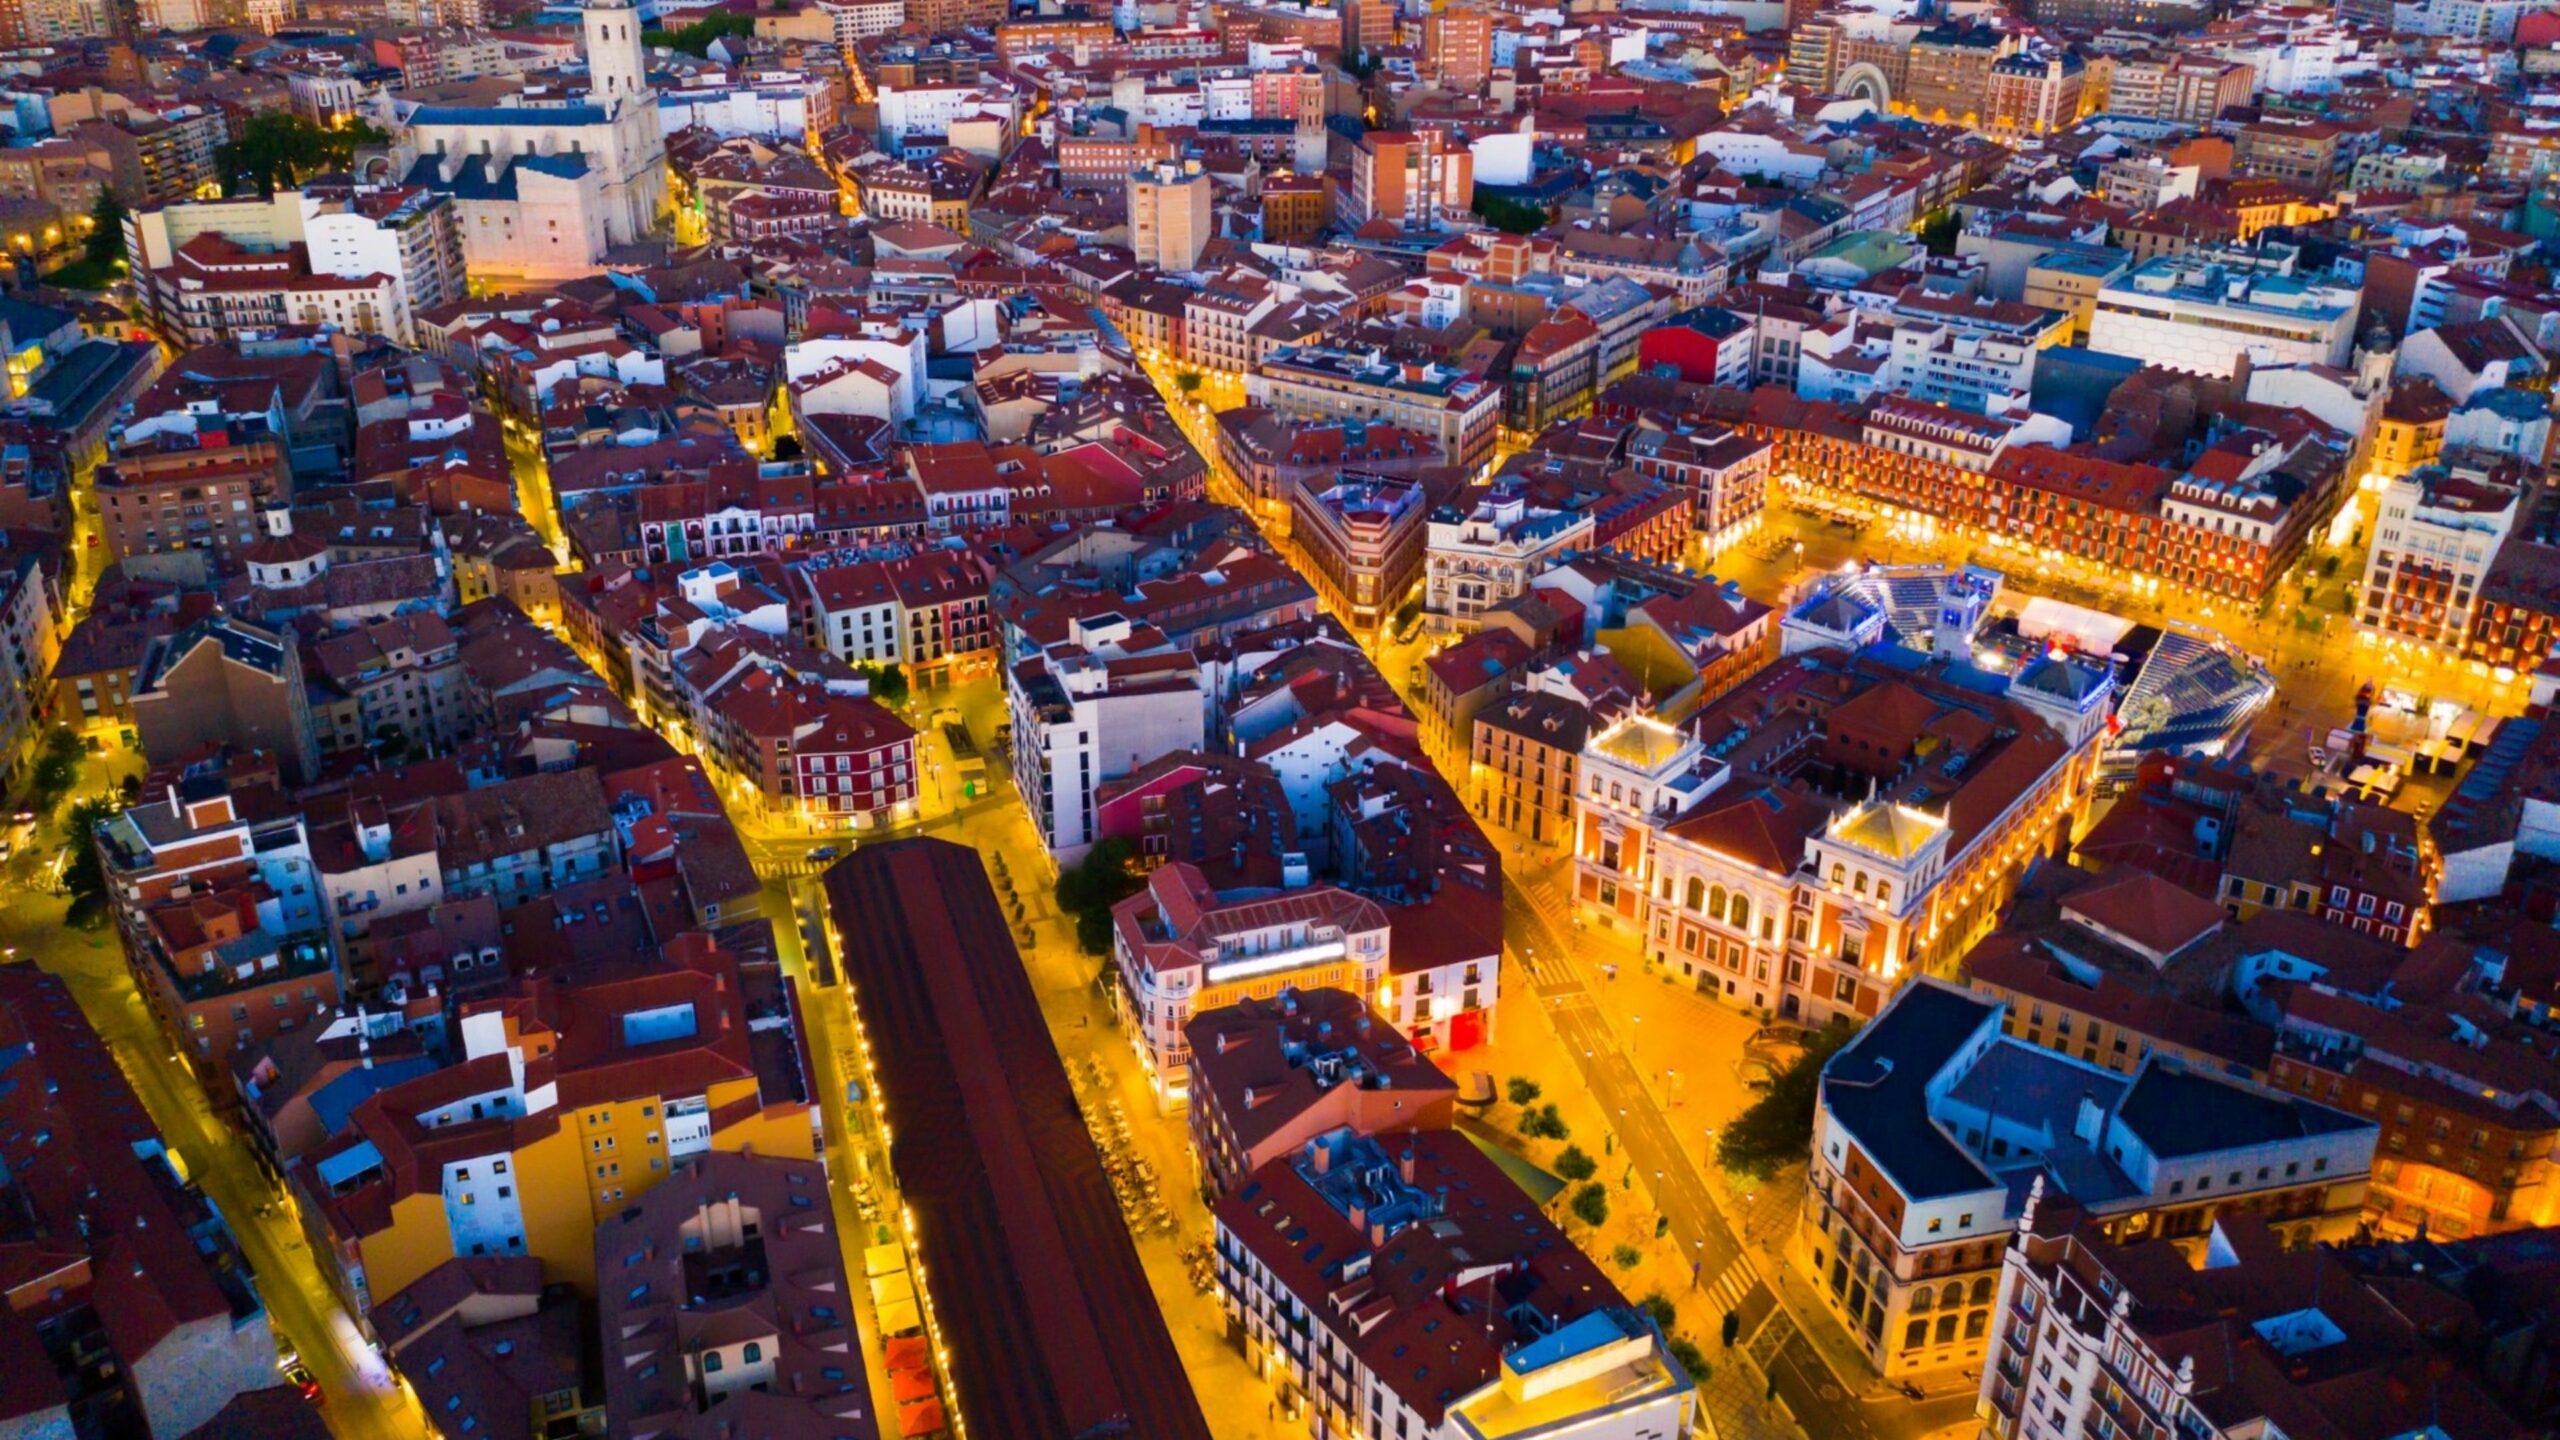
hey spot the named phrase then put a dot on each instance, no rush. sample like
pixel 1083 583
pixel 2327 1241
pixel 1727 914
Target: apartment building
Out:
pixel 1106 700
pixel 727 1279
pixel 1315 385
pixel 1479 555
pixel 1411 179
pixel 224 682
pixel 1169 218
pixel 2439 529
pixel 136 1312
pixel 1440 1253
pixel 2105 1335
pixel 1363 537
pixel 2443 1049
pixel 1526 750
pixel 1935 1133
pixel 197 492
pixel 1179 948
pixel 567 1100
pixel 1723 473
pixel 1270 1074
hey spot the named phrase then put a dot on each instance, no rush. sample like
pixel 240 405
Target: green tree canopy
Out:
pixel 105 242
pixel 1778 1128
pixel 1516 217
pixel 695 39
pixel 1103 879
pixel 279 150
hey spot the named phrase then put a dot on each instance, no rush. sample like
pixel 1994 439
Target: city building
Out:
pixel 723 1291
pixel 2439 529
pixel 1169 218
pixel 1486 549
pixel 1834 825
pixel 1417 1243
pixel 134 1312
pixel 567 1098
pixel 1315 385
pixel 1526 747
pixel 224 682
pixel 1179 948
pixel 1363 536
pixel 2442 1049
pixel 1031 1287
pixel 1094 707
pixel 2128 1334
pixel 1270 1074
pixel 2202 317
pixel 1936 1137
pixel 1410 179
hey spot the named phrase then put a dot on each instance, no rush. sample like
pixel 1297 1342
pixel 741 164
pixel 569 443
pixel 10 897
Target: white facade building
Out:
pixel 2202 317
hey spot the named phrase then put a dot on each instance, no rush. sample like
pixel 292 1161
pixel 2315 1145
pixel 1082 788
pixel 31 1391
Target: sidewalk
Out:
pixel 1667 1025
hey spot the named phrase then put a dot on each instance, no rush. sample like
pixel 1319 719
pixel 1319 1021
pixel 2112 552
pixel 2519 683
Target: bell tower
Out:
pixel 617 68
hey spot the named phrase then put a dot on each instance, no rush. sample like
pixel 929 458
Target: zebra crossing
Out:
pixel 1728 1290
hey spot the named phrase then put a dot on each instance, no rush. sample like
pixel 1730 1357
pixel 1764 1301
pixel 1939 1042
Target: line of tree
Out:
pixel 695 39
pixel 279 150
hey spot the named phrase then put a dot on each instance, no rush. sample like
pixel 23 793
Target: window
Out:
pixel 711 1362
pixel 755 1352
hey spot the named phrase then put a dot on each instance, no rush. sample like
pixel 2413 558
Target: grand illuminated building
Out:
pixel 1841 821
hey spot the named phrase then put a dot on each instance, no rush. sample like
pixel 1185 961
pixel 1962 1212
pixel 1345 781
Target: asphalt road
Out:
pixel 1543 960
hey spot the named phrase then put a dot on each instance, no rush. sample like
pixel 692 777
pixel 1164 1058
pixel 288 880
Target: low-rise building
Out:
pixel 1527 746
pixel 1179 947
pixel 1312 384
pixel 2201 316
pixel 1486 549
pixel 1933 1127
pixel 1414 1243
pixel 1268 1075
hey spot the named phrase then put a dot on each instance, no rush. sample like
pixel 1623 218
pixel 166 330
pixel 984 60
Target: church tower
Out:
pixel 617 68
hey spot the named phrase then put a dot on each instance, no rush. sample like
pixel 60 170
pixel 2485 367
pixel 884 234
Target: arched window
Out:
pixel 1715 903
pixel 1740 915
pixel 1697 893
pixel 1976 1323
pixel 1982 1291
pixel 710 1362
pixel 1916 1336
pixel 755 1351
pixel 1947 1328
pixel 1923 1298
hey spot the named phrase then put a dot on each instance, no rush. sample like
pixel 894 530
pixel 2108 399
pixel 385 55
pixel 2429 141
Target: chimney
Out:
pixel 1405 1163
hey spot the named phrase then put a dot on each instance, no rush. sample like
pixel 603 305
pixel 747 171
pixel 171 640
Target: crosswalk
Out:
pixel 1728 1290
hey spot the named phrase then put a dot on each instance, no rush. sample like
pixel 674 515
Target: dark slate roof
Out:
pixel 508 115
pixel 1877 1086
pixel 2178 1112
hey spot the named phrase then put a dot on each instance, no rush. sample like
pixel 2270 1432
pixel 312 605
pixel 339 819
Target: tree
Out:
pixel 1691 1358
pixel 1573 1164
pixel 1657 1308
pixel 1089 891
pixel 1543 1123
pixel 1516 217
pixel 695 39
pixel 280 149
pixel 1732 1327
pixel 888 682
pixel 105 244
pixel 57 765
pixel 1626 1257
pixel 1591 1204
pixel 1938 232
pixel 1778 1128
pixel 86 876
pixel 1522 1090
pixel 1188 382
